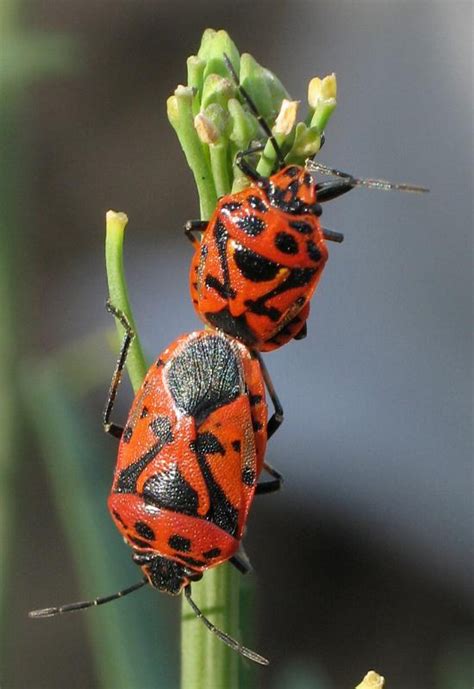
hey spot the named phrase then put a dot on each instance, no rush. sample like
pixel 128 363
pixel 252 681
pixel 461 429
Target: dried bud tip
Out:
pixel 206 130
pixel 184 91
pixel 322 90
pixel 286 118
pixel 372 680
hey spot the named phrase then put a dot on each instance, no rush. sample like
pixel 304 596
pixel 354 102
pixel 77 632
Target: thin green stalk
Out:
pixel 220 167
pixel 180 114
pixel 118 293
pixel 210 136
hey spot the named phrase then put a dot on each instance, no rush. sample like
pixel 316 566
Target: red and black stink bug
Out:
pixel 263 251
pixel 188 462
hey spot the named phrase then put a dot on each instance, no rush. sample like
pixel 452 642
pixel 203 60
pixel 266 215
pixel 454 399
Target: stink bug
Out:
pixel 188 462
pixel 263 251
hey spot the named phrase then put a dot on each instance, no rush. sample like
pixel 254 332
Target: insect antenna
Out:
pixel 382 184
pixel 262 122
pixel 72 607
pixel 251 655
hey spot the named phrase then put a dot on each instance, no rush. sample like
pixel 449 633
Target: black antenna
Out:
pixel 382 184
pixel 262 122
pixel 72 607
pixel 246 652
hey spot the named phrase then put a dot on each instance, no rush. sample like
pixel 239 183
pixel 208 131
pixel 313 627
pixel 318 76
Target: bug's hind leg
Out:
pixel 277 417
pixel 270 486
pixel 110 427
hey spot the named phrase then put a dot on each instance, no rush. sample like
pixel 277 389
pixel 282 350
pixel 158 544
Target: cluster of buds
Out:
pixel 213 122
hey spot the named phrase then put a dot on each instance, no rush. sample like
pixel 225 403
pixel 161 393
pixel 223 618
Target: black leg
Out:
pixel 302 333
pixel 262 122
pixel 270 486
pixel 332 236
pixel 247 169
pixel 194 226
pixel 277 418
pixel 241 562
pixel 112 428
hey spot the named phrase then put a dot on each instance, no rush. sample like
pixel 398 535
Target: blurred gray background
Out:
pixel 365 558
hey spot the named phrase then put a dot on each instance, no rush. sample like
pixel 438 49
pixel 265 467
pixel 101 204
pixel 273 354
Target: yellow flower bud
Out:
pixel 322 90
pixel 372 680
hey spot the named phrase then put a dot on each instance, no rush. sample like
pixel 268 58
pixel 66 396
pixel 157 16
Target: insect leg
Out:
pixel 194 226
pixel 247 169
pixel 109 427
pixel 270 486
pixel 277 418
pixel 260 119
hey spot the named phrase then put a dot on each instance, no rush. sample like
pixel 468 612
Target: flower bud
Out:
pixel 372 680
pixel 286 118
pixel 322 90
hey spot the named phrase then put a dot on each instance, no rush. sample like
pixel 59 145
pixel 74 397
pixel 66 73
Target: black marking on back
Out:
pixel 295 206
pixel 180 543
pixel 292 171
pixel 161 428
pixel 140 543
pixel 192 561
pixel 248 476
pixel 298 277
pixel 168 489
pixel 221 511
pixel 118 518
pixel 257 426
pixel 213 552
pixel 286 243
pixel 236 326
pixel 204 376
pixel 254 399
pixel 236 444
pixel 261 309
pixel 300 226
pixel 253 266
pixel 215 284
pixel 128 477
pixel 257 204
pixel 251 225
pixel 231 206
pixel 313 251
pixel 144 412
pixel 127 434
pixel 224 289
pixel 145 531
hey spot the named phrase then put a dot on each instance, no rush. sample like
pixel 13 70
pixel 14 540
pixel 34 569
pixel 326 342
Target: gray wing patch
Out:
pixel 204 376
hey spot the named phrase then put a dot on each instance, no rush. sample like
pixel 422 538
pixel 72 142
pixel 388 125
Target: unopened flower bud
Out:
pixel 372 680
pixel 286 118
pixel 322 90
pixel 207 131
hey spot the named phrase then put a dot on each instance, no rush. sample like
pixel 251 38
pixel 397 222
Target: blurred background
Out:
pixel 365 558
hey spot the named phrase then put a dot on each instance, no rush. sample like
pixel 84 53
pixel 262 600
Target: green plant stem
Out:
pixel 205 661
pixel 115 231
pixel 180 113
pixel 220 167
